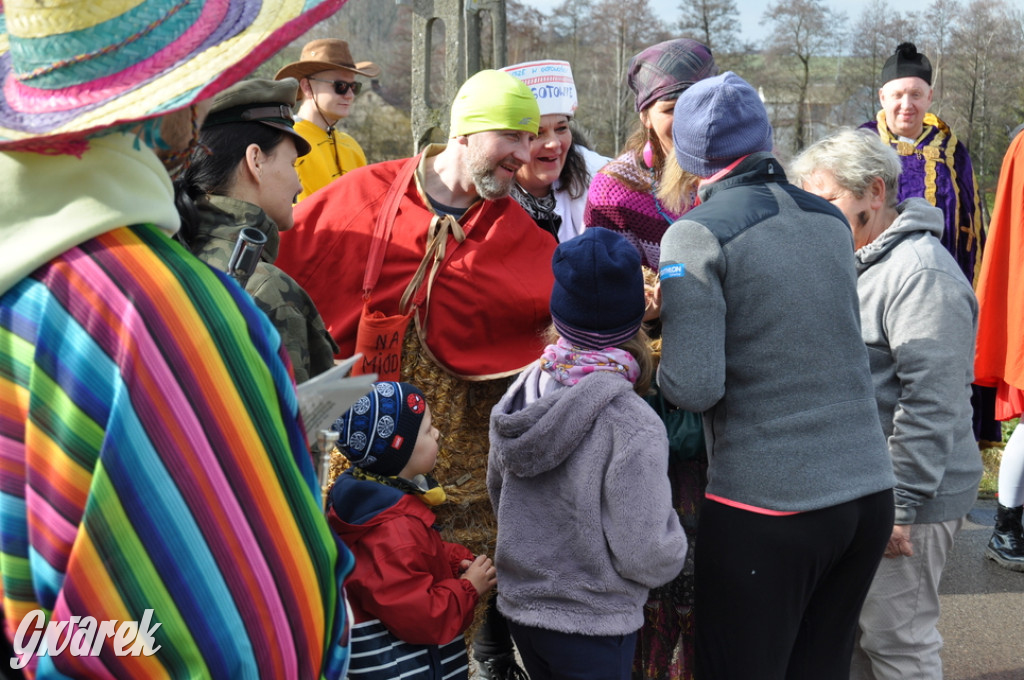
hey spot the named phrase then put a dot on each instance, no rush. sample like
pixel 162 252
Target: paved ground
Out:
pixel 982 608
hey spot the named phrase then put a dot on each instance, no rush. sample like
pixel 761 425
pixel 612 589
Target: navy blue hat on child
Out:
pixel 379 432
pixel 718 120
pixel 598 297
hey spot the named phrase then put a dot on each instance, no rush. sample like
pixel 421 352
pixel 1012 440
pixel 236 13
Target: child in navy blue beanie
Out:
pixel 412 594
pixel 578 474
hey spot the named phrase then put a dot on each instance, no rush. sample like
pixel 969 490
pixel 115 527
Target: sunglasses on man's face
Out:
pixel 341 86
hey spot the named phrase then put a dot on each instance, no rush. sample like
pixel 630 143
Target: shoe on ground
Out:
pixel 1006 547
pixel 502 667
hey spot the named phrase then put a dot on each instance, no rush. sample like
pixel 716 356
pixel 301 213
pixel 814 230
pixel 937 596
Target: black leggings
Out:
pixel 551 655
pixel 492 638
pixel 778 598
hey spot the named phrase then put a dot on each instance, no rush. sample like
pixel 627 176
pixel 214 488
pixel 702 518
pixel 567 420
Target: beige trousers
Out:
pixel 898 638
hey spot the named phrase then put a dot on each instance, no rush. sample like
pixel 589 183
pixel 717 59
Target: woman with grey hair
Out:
pixel 853 161
pixel 918 318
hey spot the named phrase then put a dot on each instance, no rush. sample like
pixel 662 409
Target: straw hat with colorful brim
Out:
pixel 326 54
pixel 69 69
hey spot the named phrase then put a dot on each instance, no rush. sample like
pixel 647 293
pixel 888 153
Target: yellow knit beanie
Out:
pixel 494 100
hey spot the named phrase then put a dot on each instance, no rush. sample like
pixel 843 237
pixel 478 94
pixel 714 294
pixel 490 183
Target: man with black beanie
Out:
pixel 928 148
pixel 937 168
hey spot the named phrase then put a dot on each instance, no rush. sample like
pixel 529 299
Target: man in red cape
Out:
pixel 437 237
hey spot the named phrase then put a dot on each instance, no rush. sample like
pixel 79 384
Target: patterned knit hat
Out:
pixel 494 100
pixel 907 62
pixel 379 432
pixel 664 70
pixel 73 68
pixel 717 121
pixel 598 297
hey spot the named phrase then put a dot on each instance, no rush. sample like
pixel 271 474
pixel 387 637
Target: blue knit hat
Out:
pixel 718 120
pixel 598 297
pixel 379 432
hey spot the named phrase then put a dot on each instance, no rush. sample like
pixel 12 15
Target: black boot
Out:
pixel 493 648
pixel 1006 546
pixel 502 667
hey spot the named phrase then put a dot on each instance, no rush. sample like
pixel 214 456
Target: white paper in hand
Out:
pixel 322 399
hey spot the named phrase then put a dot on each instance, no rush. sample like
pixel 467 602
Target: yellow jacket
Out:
pixel 331 157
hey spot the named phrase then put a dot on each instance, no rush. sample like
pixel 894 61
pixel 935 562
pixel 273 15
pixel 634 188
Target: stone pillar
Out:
pixel 466 23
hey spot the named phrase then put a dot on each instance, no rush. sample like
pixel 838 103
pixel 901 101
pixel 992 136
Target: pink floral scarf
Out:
pixel 569 364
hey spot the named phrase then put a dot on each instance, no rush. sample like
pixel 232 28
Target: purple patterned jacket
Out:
pixel 938 169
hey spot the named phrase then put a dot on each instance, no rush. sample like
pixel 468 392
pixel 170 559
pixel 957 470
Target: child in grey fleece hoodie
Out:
pixel 578 474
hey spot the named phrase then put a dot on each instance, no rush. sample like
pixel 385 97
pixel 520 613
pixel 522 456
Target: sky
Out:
pixel 751 12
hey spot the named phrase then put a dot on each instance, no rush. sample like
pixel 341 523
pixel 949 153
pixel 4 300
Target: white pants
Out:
pixel 898 638
pixel 1011 471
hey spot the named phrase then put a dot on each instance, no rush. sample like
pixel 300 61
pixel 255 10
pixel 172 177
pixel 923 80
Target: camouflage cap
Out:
pixel 259 100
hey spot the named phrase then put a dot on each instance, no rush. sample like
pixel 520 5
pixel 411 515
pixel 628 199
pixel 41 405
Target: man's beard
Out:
pixel 485 179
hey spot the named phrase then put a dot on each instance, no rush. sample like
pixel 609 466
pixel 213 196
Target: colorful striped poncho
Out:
pixel 938 169
pixel 151 458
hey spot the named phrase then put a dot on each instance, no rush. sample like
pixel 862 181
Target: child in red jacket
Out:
pixel 412 594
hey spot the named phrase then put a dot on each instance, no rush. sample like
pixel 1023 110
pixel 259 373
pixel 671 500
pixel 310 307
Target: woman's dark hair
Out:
pixel 574 175
pixel 211 170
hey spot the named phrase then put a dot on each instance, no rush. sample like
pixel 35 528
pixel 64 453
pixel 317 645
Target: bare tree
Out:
pixel 804 29
pixel 936 30
pixel 525 34
pixel 621 29
pixel 984 62
pixel 870 46
pixel 711 22
pixel 1015 87
pixel 572 22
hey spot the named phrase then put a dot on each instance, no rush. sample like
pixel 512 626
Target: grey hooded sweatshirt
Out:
pixel 919 316
pixel 579 483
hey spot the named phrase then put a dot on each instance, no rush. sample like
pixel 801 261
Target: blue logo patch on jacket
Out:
pixel 672 271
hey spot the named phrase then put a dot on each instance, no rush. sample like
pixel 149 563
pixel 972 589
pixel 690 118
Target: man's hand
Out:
pixel 899 542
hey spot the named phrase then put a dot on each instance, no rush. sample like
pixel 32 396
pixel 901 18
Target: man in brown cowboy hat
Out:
pixel 327 87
